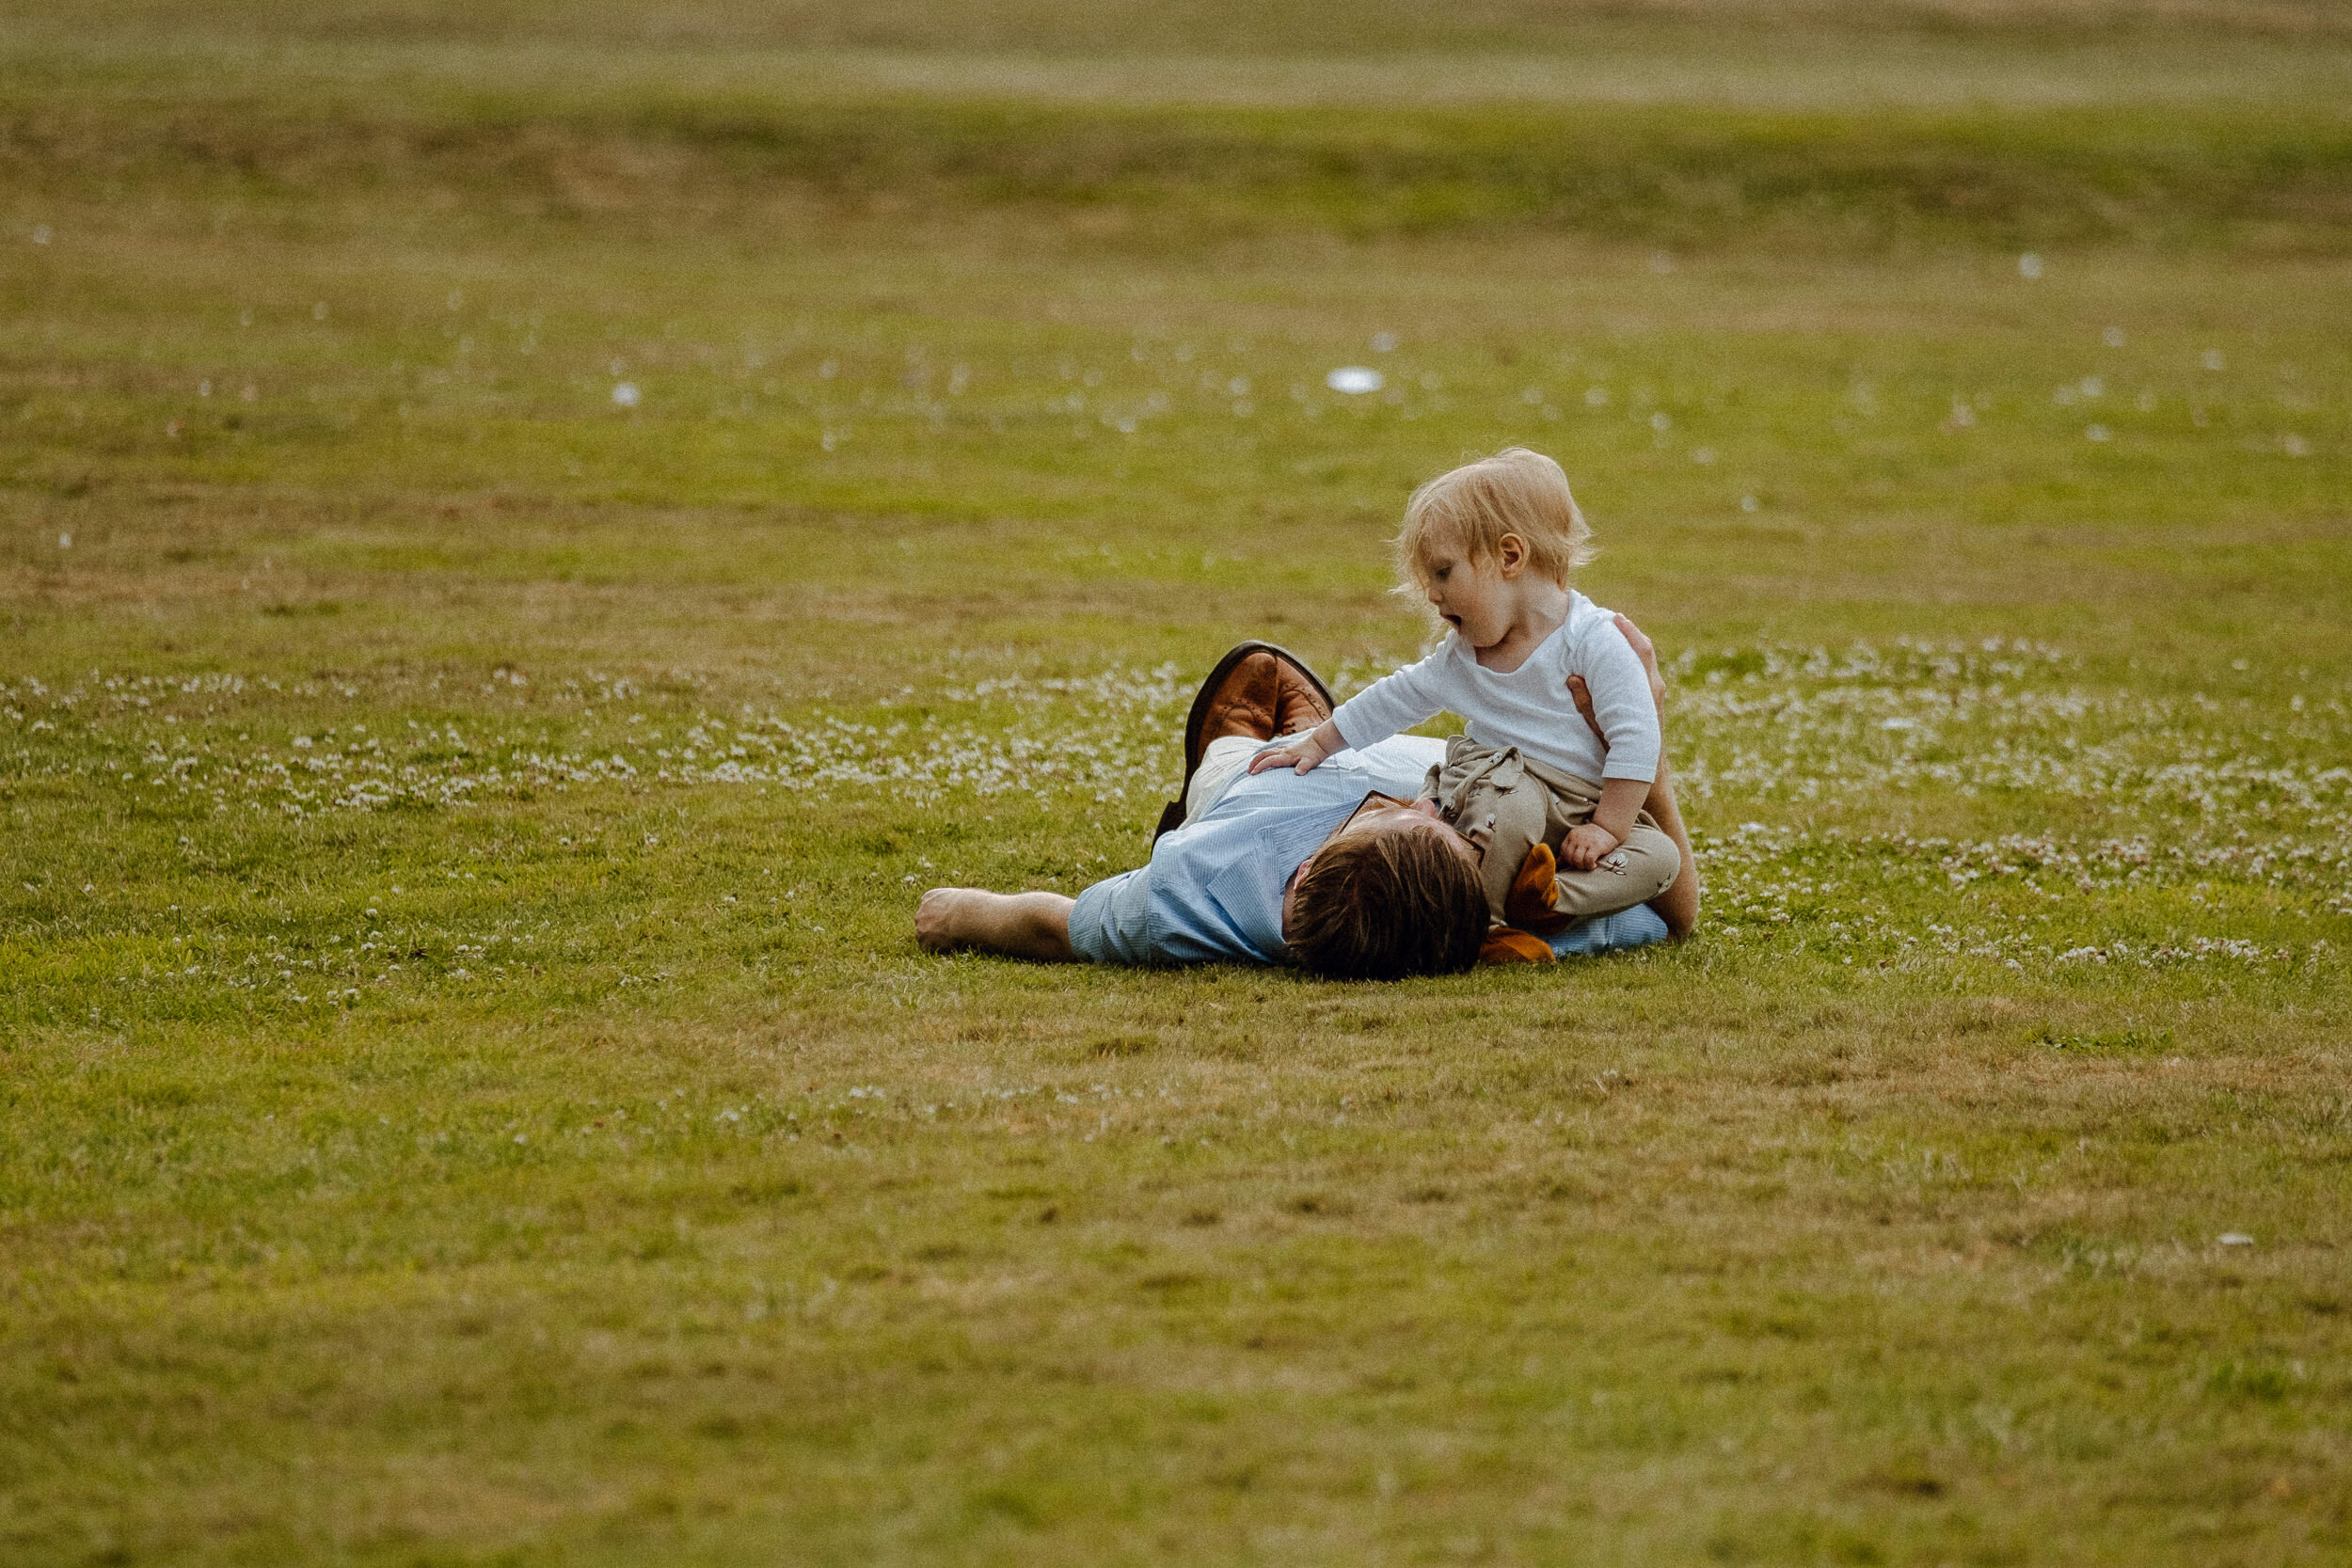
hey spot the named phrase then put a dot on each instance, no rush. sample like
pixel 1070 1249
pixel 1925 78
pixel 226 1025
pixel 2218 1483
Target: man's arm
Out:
pixel 1016 925
pixel 1678 906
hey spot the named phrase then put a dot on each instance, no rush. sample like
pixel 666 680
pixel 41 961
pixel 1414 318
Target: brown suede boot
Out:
pixel 1244 702
pixel 1533 902
pixel 1256 689
pixel 1507 945
pixel 1301 702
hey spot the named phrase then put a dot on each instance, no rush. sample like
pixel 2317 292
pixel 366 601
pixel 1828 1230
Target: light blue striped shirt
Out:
pixel 1212 892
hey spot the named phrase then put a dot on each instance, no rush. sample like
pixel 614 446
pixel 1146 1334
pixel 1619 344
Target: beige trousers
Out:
pixel 1507 805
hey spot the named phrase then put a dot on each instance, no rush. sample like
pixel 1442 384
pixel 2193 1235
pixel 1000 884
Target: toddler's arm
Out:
pixel 1623 706
pixel 1621 797
pixel 1621 801
pixel 1620 704
pixel 1678 906
pixel 1394 702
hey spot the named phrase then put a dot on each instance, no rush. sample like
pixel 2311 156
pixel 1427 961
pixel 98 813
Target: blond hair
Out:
pixel 1472 507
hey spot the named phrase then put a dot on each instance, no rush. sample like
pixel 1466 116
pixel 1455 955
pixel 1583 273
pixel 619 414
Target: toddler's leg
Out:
pixel 1635 872
pixel 1518 825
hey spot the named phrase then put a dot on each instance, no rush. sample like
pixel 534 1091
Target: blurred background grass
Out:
pixel 1830 129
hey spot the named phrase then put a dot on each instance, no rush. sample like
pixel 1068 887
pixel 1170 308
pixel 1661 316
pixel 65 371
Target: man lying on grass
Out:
pixel 1342 870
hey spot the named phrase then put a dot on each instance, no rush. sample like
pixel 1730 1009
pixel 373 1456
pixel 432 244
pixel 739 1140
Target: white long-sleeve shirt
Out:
pixel 1530 707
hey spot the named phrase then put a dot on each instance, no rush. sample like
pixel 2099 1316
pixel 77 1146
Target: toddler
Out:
pixel 1491 546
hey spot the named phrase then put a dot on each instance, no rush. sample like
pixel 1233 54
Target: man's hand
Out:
pixel 1305 754
pixel 1585 846
pixel 1643 650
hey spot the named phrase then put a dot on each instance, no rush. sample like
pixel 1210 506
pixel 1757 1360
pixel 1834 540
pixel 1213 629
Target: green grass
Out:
pixel 468 1092
pixel 567 138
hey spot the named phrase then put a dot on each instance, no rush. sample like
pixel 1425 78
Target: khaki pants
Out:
pixel 1508 804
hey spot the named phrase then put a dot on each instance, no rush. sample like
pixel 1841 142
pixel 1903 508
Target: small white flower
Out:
pixel 1355 380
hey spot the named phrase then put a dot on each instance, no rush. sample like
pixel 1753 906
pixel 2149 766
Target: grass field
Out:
pixel 533 532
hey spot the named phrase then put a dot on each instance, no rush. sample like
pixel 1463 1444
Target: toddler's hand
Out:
pixel 1305 754
pixel 1585 846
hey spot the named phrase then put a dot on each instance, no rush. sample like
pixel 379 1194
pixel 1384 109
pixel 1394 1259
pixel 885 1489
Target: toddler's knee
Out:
pixel 1653 860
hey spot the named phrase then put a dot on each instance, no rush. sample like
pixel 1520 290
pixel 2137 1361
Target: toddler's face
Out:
pixel 1472 596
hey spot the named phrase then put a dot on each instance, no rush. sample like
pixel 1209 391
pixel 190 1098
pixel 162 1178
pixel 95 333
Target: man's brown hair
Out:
pixel 1385 906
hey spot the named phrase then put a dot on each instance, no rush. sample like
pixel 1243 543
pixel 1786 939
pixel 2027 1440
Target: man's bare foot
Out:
pixel 937 924
pixel 1017 924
